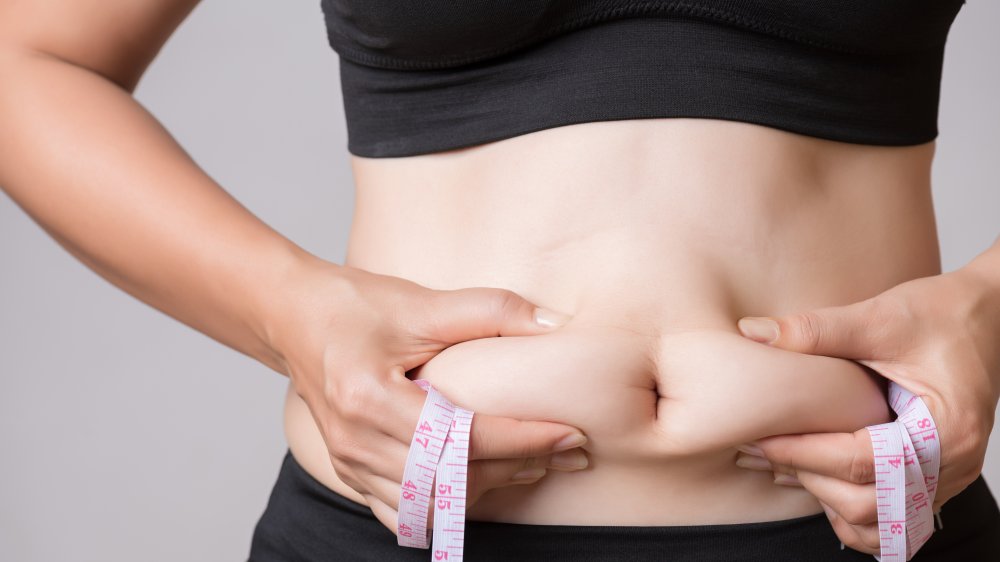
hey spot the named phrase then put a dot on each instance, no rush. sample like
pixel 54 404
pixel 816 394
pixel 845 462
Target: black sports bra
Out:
pixel 422 76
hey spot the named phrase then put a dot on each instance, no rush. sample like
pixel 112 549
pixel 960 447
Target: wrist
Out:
pixel 288 300
pixel 274 293
pixel 984 273
pixel 981 278
pixel 987 263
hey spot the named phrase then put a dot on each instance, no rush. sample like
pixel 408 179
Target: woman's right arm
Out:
pixel 103 177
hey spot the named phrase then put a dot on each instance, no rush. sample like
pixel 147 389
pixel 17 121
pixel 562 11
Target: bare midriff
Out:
pixel 656 235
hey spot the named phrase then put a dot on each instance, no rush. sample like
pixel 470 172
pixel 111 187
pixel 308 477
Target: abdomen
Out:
pixel 657 235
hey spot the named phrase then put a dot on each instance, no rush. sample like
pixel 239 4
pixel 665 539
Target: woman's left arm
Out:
pixel 938 337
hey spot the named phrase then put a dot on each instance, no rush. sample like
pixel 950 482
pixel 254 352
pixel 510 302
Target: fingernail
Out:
pixel 550 318
pixel 759 329
pixel 752 462
pixel 786 479
pixel 570 441
pixel 529 474
pixel 750 449
pixel 573 459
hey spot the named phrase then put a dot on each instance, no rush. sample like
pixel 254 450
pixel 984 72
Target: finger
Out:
pixel 456 315
pixel 385 514
pixel 497 437
pixel 850 535
pixel 484 475
pixel 500 472
pixel 387 493
pixel 785 479
pixel 491 437
pixel 782 474
pixel 853 331
pixel 854 503
pixel 869 535
pixel 399 406
pixel 481 477
pixel 367 401
pixel 754 462
pixel 569 460
pixel 385 490
pixel 847 456
pixel 387 459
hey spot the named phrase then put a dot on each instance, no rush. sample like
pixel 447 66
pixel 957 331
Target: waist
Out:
pixel 656 258
pixel 650 211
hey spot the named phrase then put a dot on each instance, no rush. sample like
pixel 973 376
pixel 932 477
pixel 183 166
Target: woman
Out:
pixel 650 204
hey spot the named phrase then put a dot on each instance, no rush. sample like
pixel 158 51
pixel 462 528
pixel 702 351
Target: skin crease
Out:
pixel 656 235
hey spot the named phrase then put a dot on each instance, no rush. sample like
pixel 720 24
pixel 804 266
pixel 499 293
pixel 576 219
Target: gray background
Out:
pixel 128 436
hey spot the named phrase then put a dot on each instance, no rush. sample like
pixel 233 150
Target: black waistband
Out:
pixel 320 524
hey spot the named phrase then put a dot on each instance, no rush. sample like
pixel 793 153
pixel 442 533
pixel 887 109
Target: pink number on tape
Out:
pixel 907 462
pixel 436 462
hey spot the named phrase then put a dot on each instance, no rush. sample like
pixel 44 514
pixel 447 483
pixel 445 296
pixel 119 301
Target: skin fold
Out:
pixel 656 235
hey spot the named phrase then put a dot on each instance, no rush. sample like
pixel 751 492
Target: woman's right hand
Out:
pixel 348 336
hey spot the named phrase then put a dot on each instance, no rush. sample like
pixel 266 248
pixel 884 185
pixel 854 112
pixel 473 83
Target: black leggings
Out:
pixel 307 522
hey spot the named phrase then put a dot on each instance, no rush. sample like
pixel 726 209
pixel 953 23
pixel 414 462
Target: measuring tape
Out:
pixel 437 461
pixel 907 462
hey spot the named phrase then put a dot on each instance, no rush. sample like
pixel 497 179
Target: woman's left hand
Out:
pixel 938 337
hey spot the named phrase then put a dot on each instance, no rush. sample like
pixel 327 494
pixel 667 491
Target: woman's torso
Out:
pixel 656 235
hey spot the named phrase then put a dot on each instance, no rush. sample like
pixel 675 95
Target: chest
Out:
pixel 439 31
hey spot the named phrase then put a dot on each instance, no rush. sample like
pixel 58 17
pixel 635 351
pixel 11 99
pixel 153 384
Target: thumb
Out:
pixel 851 331
pixel 485 312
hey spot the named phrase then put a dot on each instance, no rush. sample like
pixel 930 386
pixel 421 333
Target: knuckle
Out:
pixel 345 472
pixel 479 444
pixel 488 475
pixel 870 541
pixel 357 399
pixel 892 308
pixel 339 450
pixel 808 328
pixel 474 476
pixel 843 532
pixel 497 439
pixel 504 302
pixel 521 448
pixel 850 542
pixel 332 361
pixel 341 446
pixel 862 467
pixel 851 539
pixel 858 513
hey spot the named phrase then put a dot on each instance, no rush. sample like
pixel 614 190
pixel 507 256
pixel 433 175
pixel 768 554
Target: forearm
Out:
pixel 100 175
